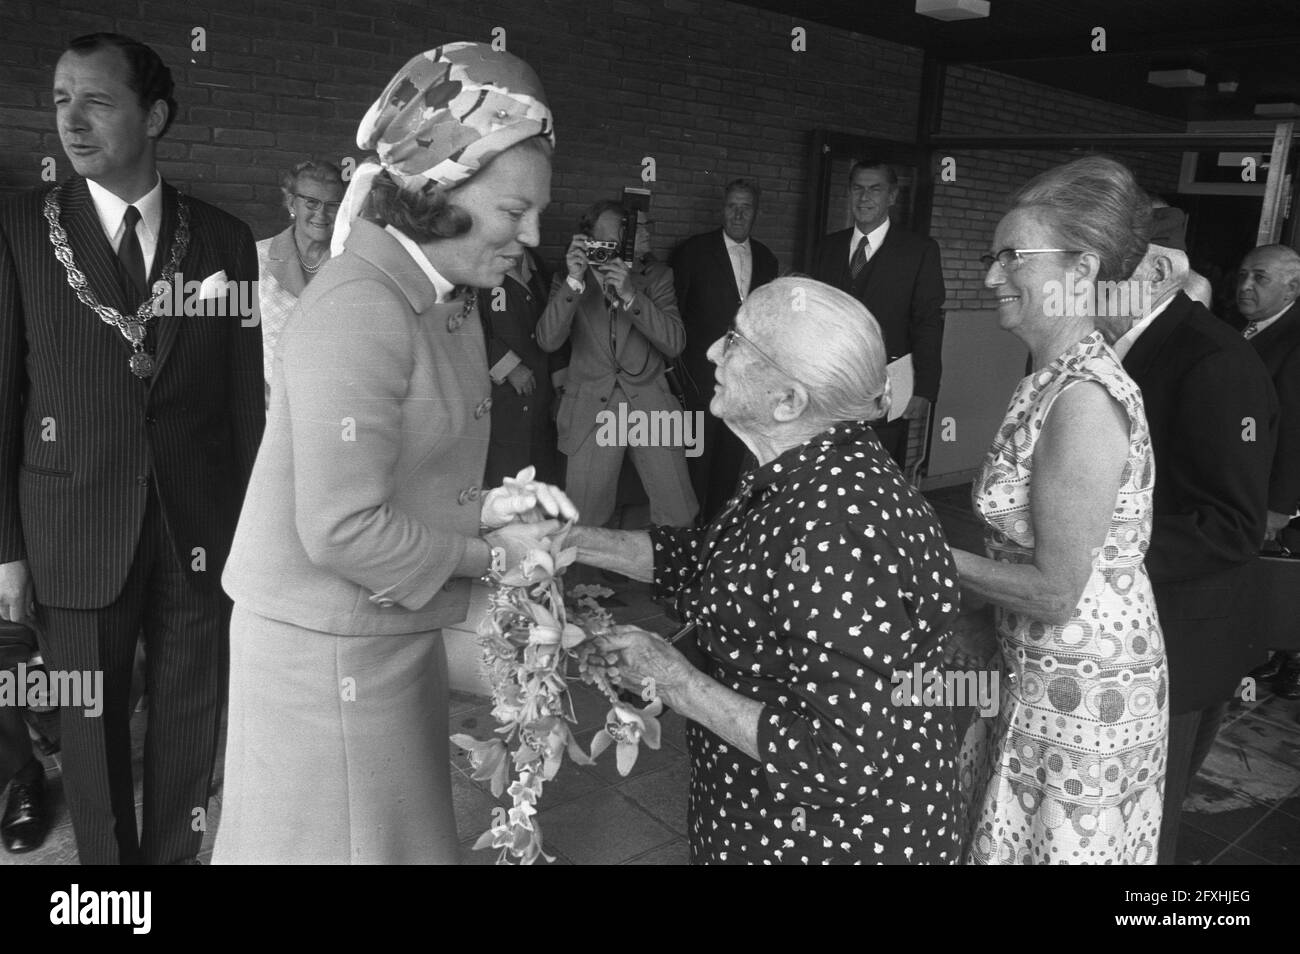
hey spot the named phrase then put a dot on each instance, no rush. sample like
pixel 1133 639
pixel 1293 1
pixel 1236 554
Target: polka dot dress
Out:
pixel 822 577
pixel 1071 769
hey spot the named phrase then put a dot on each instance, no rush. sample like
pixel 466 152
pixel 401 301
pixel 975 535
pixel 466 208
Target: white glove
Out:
pixel 522 498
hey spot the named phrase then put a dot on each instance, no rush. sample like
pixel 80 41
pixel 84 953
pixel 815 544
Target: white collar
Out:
pixel 732 243
pixel 442 288
pixel 875 237
pixel 111 209
pixel 522 270
pixel 1126 340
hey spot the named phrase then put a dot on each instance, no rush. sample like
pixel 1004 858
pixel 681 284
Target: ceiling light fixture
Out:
pixel 1176 79
pixel 953 9
pixel 1278 110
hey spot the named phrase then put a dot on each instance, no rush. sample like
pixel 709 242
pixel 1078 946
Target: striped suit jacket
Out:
pixel 83 440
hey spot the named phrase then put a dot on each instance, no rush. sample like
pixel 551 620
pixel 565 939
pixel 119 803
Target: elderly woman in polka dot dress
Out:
pixel 825 575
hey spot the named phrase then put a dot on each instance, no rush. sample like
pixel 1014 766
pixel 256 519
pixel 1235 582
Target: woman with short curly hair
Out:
pixel 289 260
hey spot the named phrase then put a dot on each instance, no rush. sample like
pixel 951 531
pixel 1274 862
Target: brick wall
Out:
pixel 984 103
pixel 710 90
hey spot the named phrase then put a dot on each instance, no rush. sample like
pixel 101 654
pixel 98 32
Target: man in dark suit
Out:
pixel 898 276
pixel 714 272
pixel 523 428
pixel 1213 416
pixel 127 436
pixel 1268 284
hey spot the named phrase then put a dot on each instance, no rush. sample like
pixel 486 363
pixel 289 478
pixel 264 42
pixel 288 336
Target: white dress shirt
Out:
pixel 442 288
pixel 875 238
pixel 1125 343
pixel 112 210
pixel 742 263
pixel 1261 325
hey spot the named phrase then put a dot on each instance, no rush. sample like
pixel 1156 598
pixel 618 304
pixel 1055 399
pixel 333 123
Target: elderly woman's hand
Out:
pixel 643 662
pixel 522 498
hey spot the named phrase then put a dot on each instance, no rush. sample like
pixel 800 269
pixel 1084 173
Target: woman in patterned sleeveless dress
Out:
pixel 1071 768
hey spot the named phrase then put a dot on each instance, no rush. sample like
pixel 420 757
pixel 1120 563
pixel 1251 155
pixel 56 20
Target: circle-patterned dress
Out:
pixel 1071 768
pixel 823 580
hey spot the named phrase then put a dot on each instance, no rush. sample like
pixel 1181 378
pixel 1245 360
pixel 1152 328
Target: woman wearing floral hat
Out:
pixel 361 529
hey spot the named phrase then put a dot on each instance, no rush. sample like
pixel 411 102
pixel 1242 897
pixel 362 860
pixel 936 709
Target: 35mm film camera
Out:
pixel 600 253
pixel 636 204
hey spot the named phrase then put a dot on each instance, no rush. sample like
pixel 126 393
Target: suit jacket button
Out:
pixel 142 480
pixel 603 400
pixel 449 586
pixel 384 602
pixel 462 497
pixel 150 419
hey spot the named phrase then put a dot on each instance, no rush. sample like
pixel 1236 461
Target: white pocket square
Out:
pixel 214 286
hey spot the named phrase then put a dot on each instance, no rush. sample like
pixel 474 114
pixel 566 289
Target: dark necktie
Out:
pixel 131 258
pixel 859 261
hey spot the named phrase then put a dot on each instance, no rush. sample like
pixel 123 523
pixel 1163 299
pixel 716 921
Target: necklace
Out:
pixel 132 327
pixel 311 269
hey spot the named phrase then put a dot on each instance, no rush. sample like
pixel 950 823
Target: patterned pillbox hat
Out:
pixel 446 114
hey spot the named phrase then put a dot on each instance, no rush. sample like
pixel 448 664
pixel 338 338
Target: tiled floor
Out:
pixel 1244 807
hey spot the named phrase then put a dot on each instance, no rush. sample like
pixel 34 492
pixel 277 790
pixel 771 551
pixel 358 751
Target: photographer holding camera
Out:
pixel 622 320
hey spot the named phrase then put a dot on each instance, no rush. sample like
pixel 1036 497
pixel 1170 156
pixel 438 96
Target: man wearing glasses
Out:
pixel 898 276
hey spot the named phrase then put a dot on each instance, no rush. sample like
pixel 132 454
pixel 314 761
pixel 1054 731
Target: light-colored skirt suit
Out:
pixel 358 512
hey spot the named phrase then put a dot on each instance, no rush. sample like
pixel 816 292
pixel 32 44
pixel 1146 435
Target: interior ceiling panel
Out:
pixel 1254 43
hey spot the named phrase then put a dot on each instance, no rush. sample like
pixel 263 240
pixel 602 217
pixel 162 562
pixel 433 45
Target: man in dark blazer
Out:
pixel 523 396
pixel 1268 284
pixel 125 448
pixel 1213 417
pixel 714 272
pixel 899 277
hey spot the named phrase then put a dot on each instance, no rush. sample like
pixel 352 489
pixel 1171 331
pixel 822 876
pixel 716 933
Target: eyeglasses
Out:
pixel 733 334
pixel 1011 258
pixel 315 205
